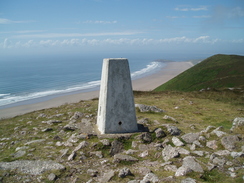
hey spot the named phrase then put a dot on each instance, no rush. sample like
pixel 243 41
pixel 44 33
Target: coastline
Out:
pixel 147 83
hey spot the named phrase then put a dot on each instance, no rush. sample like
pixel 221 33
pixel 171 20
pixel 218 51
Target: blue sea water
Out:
pixel 26 78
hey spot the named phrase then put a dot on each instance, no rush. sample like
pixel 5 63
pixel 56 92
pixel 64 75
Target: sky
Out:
pixel 69 27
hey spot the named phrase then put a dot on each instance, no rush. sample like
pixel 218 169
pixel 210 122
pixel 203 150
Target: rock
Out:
pixel 21 148
pixel 169 152
pixel 92 173
pixel 59 144
pixel 222 153
pixel 197 143
pixel 146 137
pixel 189 161
pixel 19 154
pixel 150 177
pixel 124 172
pixel 63 152
pixel 107 176
pixel 143 121
pixel 172 168
pixel 76 115
pixel 237 154
pixel 188 180
pixel 212 144
pixel 208 129
pixel 105 142
pixel 210 166
pixel 52 177
pixel 202 138
pixel 35 141
pixel 218 133
pixel 47 129
pixel 147 108
pixel 182 151
pixel 168 179
pixel 97 153
pixel 116 147
pixel 199 153
pixel 42 115
pixel 237 123
pixel 173 130
pixel 160 133
pixel 229 142
pixel 50 122
pixel 134 181
pixel 190 137
pixel 72 156
pixel 143 154
pixel 31 167
pixel 81 145
pixel 176 141
pixel 131 151
pixel 219 161
pixel 170 118
pixel 70 127
pixel 183 171
pixel 193 147
pixel 122 157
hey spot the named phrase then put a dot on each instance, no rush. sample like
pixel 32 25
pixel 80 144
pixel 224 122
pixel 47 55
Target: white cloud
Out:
pixel 100 22
pixel 174 17
pixel 202 16
pixel 102 42
pixel 7 43
pixel 7 21
pixel 59 35
pixel 21 32
pixel 201 8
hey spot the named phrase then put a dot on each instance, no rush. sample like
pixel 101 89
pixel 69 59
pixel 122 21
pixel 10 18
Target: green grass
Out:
pixel 218 71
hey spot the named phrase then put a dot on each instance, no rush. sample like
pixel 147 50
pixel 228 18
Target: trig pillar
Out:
pixel 116 108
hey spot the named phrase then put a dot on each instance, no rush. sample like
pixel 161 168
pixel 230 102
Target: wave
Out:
pixel 150 68
pixel 6 99
pixel 2 95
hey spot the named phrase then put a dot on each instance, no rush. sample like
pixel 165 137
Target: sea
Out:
pixel 26 80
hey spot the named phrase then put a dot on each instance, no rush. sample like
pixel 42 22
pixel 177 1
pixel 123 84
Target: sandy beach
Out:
pixel 146 83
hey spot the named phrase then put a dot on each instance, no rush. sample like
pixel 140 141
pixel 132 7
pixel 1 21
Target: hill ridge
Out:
pixel 217 71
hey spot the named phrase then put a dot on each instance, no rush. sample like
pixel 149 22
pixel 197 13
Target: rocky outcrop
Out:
pixel 140 157
pixel 147 108
pixel 31 167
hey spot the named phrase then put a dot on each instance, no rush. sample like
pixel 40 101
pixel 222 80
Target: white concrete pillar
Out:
pixel 116 108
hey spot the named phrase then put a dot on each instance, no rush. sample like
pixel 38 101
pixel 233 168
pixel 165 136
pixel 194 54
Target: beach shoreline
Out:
pixel 147 83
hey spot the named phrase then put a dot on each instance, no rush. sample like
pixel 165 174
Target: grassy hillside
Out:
pixel 218 71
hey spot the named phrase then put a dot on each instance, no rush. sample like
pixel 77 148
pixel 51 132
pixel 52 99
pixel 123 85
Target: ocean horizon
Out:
pixel 31 80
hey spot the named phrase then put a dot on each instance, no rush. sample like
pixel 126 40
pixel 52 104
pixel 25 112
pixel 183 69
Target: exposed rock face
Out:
pixel 237 123
pixel 31 167
pixel 124 172
pixel 183 171
pixel 212 144
pixel 177 142
pixel 229 142
pixel 189 161
pixel 107 176
pixel 160 133
pixel 190 137
pixel 173 130
pixel 170 118
pixel 122 157
pixel 150 177
pixel 147 108
pixel 116 147
pixel 169 152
